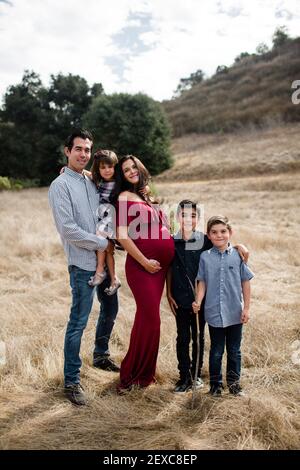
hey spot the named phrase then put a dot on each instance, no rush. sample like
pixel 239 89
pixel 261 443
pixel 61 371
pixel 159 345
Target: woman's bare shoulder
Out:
pixel 129 196
pixel 124 196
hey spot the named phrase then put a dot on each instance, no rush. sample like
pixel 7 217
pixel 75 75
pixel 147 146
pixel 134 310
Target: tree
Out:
pixel 262 48
pixel 97 89
pixel 22 101
pixel 131 124
pixel 280 36
pixel 69 96
pixel 189 82
pixel 241 56
pixel 221 69
pixel 26 121
pixel 35 120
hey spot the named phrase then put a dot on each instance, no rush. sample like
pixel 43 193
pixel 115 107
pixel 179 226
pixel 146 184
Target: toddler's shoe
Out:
pixel 97 279
pixel 111 290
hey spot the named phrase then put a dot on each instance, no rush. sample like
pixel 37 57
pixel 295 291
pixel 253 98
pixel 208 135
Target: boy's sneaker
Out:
pixel 199 383
pixel 236 390
pixel 111 290
pixel 75 393
pixel 216 390
pixel 183 385
pixel 97 279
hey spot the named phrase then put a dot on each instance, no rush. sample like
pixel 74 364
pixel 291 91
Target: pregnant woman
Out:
pixel 143 233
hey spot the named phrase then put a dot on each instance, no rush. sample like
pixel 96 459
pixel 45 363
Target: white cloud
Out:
pixel 140 45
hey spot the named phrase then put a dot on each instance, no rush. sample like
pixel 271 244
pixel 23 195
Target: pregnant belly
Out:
pixel 160 250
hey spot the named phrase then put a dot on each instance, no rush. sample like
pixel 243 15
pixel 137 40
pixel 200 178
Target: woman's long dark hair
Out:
pixel 123 185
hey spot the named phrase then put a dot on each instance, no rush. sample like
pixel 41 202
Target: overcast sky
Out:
pixel 134 45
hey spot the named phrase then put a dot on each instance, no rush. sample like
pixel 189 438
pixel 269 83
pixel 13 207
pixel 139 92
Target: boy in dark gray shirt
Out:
pixel 189 244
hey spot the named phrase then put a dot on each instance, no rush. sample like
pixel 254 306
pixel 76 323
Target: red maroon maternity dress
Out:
pixel 154 241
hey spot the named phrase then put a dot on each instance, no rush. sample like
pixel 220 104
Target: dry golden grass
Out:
pixel 35 301
pixel 202 157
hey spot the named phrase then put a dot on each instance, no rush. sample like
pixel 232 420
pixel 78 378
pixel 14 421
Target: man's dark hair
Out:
pixel 81 133
pixel 187 204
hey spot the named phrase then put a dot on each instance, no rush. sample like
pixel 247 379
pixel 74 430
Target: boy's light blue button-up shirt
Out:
pixel 223 274
pixel 74 201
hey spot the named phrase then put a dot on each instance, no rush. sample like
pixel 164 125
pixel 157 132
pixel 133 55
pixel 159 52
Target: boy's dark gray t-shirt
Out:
pixel 186 261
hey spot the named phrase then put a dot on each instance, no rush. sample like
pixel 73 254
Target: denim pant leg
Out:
pixel 108 311
pixel 217 346
pixel 82 302
pixel 183 323
pixel 233 348
pixel 195 344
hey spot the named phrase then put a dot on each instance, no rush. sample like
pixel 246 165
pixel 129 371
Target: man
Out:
pixel 74 201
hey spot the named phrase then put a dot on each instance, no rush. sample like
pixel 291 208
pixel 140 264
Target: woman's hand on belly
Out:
pixel 152 266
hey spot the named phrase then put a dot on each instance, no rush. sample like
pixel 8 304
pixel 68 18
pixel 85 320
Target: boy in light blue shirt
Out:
pixel 225 279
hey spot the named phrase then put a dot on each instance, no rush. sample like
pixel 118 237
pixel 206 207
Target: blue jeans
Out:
pixel 232 336
pixel 82 302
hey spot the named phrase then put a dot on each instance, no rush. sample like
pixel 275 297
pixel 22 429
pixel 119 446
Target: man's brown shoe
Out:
pixel 75 393
pixel 105 363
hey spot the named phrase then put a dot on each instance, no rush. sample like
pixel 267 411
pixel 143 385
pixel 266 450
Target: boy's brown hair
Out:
pixel 187 204
pixel 107 157
pixel 218 219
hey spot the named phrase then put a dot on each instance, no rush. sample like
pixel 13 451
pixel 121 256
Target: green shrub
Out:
pixel 4 183
pixel 24 183
pixel 17 184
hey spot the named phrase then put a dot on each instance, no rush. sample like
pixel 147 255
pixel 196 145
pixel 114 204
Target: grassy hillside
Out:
pixel 211 156
pixel 255 92
pixel 35 301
